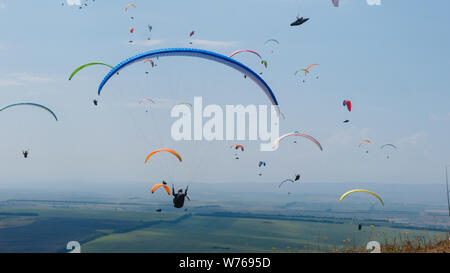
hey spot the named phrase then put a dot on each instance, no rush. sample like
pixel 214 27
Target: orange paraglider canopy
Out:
pixel 130 5
pixel 164 150
pixel 157 186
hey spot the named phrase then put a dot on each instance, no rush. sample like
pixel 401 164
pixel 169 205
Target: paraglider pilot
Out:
pixel 178 199
pixel 25 153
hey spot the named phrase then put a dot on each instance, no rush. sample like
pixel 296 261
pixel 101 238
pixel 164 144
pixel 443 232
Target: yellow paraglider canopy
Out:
pixel 359 190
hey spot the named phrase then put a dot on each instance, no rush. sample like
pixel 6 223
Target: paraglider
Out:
pixel 388 148
pixel 273 42
pixel 297 177
pixel 335 3
pixel 163 150
pixel 25 153
pixel 157 186
pixel 191 33
pixel 236 147
pixel 359 190
pixel 200 54
pixel 299 21
pixel 261 164
pixel 296 133
pixel 95 101
pixel 362 142
pixel 132 30
pixel 345 121
pixel 348 104
pixel 30 104
pixel 86 65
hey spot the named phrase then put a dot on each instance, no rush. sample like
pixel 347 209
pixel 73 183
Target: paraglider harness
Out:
pixel 178 199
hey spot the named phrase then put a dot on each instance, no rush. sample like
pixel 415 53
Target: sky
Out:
pixel 390 60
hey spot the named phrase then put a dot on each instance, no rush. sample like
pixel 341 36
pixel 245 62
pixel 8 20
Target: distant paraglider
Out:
pixel 362 142
pixel 237 147
pixel 388 148
pixel 359 190
pixel 296 133
pixel 299 21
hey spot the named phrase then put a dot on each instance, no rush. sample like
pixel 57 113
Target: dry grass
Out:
pixel 405 244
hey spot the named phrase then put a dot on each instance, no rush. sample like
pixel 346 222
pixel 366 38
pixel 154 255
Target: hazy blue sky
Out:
pixel 391 61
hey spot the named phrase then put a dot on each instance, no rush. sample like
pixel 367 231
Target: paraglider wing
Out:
pixel 272 40
pixel 335 3
pixel 348 104
pixel 200 54
pixel 365 140
pixel 150 61
pixel 157 186
pixel 284 181
pixel 388 145
pixel 300 70
pixel 164 150
pixel 264 62
pixel 244 50
pixel 186 103
pixel 299 134
pixel 144 100
pixel 237 146
pixel 129 5
pixel 359 190
pixel 307 69
pixel 31 104
pixel 86 65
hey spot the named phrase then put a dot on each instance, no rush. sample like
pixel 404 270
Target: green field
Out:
pixel 228 234
pixel 49 230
